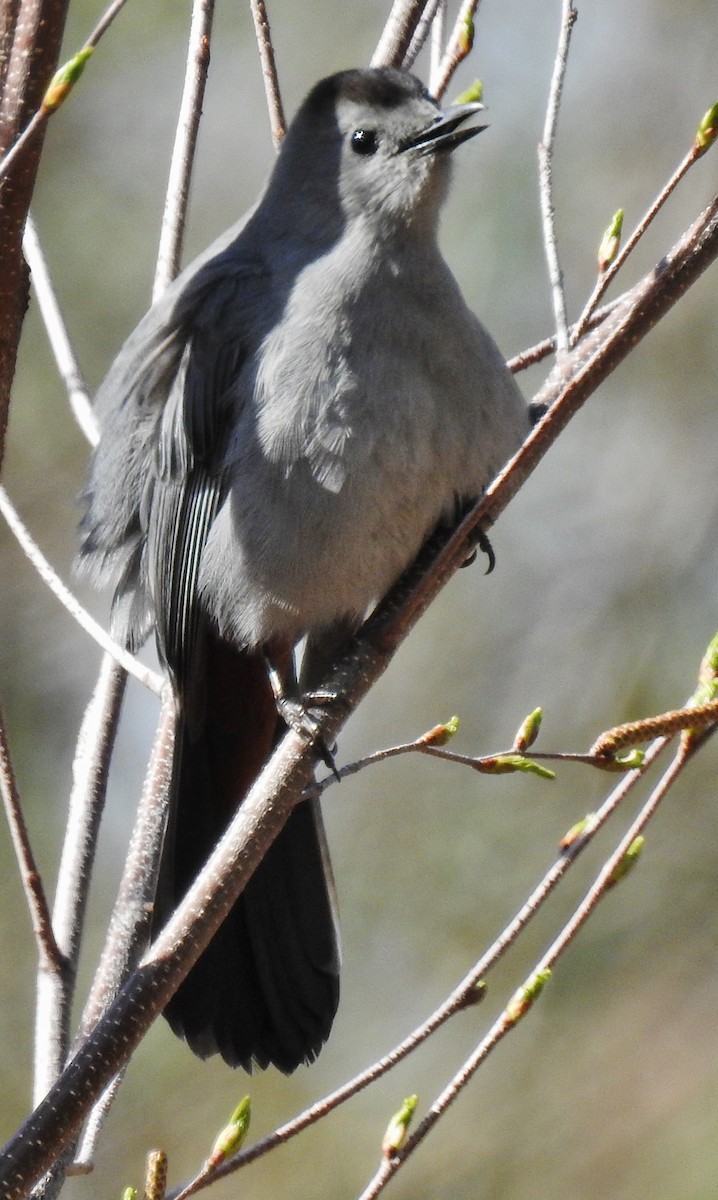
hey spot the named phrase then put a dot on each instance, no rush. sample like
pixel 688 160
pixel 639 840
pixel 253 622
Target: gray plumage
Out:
pixel 278 437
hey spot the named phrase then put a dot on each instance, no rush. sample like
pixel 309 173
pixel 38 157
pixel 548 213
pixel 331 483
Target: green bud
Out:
pixel 576 831
pixel 506 764
pixel 65 79
pixel 624 760
pixel 707 689
pixel 229 1139
pixel 628 861
pixel 706 692
pixel 473 94
pixel 526 996
pixel 610 242
pixel 528 731
pixel 707 131
pixel 129 1193
pixel 466 34
pixel 440 734
pixel 398 1126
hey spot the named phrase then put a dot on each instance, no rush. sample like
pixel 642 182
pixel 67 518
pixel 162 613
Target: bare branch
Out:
pixel 128 933
pixel 149 678
pixel 458 48
pixel 54 97
pixel 398 32
pixel 55 992
pixel 269 71
pixel 169 254
pixel 31 36
pixel 51 959
pixel 545 153
pixel 59 338
pixel 536 354
pixel 606 277
pixel 431 19
pixel 438 34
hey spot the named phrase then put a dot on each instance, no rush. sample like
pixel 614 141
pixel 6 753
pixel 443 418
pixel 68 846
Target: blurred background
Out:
pixel 601 605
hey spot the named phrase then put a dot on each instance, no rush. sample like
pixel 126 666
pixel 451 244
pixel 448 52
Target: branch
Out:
pixel 545 152
pixel 58 89
pixel 398 32
pixel 51 959
pixel 703 140
pixel 59 338
pixel 263 33
pixel 150 679
pixel 169 254
pixel 129 929
pixel 459 47
pixel 55 991
pixel 31 35
pixel 432 22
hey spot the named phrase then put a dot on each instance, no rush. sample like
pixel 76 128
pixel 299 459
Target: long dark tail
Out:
pixel 267 987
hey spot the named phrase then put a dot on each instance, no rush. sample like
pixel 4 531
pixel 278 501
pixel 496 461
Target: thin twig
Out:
pixel 128 932
pixel 169 254
pixel 459 46
pixel 55 993
pixel 397 33
pixel 45 111
pixel 83 1163
pixel 51 959
pixel 430 18
pixel 507 1019
pixel 67 364
pixel 147 677
pixel 438 35
pixel 545 155
pixel 606 277
pixel 263 33
pixel 536 354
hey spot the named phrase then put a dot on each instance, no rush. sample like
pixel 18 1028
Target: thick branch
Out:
pixel 30 33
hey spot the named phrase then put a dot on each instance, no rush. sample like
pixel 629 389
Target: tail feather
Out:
pixel 266 988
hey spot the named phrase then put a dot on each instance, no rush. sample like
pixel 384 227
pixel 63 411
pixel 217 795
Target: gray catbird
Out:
pixel 279 435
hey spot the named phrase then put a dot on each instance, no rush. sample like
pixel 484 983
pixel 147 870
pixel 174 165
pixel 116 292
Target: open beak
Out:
pixel 444 133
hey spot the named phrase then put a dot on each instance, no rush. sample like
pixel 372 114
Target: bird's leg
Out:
pixel 294 711
pixel 479 537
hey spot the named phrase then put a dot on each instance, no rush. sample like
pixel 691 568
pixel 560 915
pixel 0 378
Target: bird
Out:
pixel 279 436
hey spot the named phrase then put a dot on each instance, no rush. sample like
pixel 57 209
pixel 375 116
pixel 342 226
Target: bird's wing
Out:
pixel 189 476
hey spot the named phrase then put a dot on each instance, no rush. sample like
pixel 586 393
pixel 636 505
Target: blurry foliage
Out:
pixel 600 608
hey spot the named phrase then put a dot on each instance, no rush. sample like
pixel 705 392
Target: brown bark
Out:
pixel 30 39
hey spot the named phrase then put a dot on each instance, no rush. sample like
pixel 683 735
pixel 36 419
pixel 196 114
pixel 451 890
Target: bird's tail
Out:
pixel 266 988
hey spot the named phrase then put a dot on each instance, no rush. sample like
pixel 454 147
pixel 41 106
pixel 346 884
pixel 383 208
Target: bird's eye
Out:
pixel 364 141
